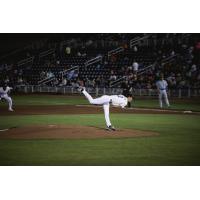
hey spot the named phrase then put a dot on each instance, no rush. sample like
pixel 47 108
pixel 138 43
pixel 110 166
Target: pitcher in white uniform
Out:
pixel 162 91
pixel 106 100
pixel 4 95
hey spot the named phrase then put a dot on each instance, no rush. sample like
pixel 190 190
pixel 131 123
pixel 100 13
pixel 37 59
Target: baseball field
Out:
pixel 66 130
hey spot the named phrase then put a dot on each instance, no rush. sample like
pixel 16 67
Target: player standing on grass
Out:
pixel 106 100
pixel 162 91
pixel 4 90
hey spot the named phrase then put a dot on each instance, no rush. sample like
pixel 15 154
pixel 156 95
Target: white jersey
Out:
pixel 4 92
pixel 161 85
pixel 119 100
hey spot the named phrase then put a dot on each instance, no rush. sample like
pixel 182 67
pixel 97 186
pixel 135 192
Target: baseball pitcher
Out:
pixel 106 101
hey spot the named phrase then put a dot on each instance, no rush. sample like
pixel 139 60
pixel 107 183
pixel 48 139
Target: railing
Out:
pixel 115 51
pixel 46 53
pixel 63 73
pixel 46 80
pixel 25 61
pixel 118 81
pixel 136 40
pixel 169 59
pixel 93 61
pixel 177 93
pixel 143 70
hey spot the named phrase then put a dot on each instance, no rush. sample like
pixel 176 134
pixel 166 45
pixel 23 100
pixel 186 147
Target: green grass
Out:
pixel 46 100
pixel 175 104
pixel 177 144
pixel 74 100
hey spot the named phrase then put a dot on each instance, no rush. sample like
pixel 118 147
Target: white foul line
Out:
pixel 1 130
pixel 149 109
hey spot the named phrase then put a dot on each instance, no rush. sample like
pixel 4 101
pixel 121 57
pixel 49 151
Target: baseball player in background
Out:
pixel 162 91
pixel 106 100
pixel 4 90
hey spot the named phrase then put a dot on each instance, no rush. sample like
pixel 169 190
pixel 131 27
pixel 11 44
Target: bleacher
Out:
pixel 52 55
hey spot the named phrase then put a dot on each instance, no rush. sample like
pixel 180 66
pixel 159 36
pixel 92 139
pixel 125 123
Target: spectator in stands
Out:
pixel 64 82
pixel 75 74
pixel 55 82
pixel 70 74
pixel 68 50
pixel 97 82
pixel 103 82
pixel 113 77
pixel 135 49
pixel 182 84
pixel 172 53
pixel 135 66
pixel 74 84
pixel 7 80
pixel 50 74
pixel 19 81
pixel 42 75
pixel 193 68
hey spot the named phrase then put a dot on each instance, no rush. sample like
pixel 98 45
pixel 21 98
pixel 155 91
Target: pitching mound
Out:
pixel 69 132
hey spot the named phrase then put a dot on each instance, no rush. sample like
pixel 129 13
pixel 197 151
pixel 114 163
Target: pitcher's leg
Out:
pixel 98 101
pixel 88 96
pixel 106 114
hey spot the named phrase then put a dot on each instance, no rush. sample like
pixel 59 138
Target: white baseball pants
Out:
pixel 103 100
pixel 8 99
pixel 162 94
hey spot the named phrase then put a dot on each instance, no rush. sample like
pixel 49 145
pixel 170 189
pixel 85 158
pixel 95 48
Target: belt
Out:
pixel 162 89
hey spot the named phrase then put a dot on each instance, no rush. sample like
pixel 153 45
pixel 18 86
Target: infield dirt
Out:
pixel 56 131
pixel 70 132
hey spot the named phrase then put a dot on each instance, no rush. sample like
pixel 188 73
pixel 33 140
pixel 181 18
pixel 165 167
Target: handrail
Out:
pixel 142 71
pixel 46 80
pixel 117 81
pixel 64 72
pixel 115 51
pixel 135 41
pixel 46 53
pixel 93 60
pixel 24 61
pixel 170 57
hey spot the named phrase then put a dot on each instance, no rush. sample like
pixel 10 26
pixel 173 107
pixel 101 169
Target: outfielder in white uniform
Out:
pixel 162 91
pixel 105 100
pixel 4 95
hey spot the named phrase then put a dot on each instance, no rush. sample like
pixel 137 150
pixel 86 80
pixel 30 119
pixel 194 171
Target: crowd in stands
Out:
pixel 182 72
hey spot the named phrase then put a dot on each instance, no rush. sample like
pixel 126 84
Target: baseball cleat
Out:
pixel 110 128
pixel 10 109
pixel 81 89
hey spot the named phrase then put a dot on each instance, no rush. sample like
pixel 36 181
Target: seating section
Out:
pixel 65 54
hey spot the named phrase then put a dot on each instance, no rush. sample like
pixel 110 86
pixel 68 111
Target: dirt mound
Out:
pixel 69 132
